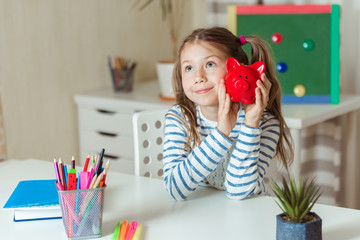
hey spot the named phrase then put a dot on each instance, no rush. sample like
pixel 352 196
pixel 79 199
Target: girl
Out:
pixel 211 140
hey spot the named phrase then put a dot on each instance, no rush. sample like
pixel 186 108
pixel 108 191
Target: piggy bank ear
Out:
pixel 259 66
pixel 232 64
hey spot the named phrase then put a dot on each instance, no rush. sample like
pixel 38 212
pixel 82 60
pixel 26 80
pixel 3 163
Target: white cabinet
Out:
pixel 105 121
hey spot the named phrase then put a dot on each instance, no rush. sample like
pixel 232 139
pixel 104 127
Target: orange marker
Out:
pixel 124 229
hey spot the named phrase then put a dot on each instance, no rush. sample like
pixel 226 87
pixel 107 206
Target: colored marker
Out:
pixel 138 232
pixel 116 233
pixel 90 178
pixel 131 232
pixel 124 229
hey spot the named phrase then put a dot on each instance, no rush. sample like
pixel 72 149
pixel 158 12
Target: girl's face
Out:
pixel 202 68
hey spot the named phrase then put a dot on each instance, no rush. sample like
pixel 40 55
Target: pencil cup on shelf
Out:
pixel 123 80
pixel 122 74
pixel 82 212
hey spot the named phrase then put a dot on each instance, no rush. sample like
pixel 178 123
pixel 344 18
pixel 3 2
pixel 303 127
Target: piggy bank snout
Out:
pixel 242 85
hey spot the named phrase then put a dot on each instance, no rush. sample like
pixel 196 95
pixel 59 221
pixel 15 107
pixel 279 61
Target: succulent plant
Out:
pixel 296 199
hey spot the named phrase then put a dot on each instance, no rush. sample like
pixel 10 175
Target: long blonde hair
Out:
pixel 229 44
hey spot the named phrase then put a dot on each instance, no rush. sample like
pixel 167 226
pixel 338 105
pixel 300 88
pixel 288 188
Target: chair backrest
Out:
pixel 148 129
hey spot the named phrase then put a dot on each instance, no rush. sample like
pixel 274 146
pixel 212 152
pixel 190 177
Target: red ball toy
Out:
pixel 277 38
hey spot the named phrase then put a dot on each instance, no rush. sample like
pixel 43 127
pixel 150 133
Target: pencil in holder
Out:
pixel 82 212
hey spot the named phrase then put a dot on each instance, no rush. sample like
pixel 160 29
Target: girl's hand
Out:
pixel 227 113
pixel 254 111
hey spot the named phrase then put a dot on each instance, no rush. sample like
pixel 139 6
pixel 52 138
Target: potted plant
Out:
pixel 296 201
pixel 173 13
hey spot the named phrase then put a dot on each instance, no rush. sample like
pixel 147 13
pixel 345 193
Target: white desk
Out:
pixel 301 116
pixel 207 214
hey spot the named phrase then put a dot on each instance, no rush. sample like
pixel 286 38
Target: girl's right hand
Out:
pixel 227 113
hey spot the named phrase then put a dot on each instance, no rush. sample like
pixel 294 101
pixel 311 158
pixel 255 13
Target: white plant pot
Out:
pixel 164 72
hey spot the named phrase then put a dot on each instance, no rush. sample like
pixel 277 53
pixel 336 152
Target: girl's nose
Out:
pixel 200 77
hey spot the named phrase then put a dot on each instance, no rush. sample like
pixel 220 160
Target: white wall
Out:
pixel 51 50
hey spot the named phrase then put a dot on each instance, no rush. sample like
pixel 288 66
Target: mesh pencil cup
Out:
pixel 82 212
pixel 123 80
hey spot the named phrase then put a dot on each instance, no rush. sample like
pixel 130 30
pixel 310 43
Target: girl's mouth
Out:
pixel 201 91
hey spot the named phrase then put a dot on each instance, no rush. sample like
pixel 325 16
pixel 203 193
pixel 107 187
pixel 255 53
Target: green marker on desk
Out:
pixel 115 236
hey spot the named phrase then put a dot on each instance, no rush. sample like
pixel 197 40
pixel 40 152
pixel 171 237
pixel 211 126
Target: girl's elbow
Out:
pixel 243 194
pixel 176 197
pixel 235 196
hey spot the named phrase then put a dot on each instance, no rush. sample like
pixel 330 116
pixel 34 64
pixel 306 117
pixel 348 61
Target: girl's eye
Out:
pixel 188 68
pixel 210 64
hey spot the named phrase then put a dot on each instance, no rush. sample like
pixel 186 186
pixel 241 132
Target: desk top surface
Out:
pixel 146 95
pixel 207 214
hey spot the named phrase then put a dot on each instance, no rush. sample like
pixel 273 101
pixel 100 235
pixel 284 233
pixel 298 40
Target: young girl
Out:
pixel 211 140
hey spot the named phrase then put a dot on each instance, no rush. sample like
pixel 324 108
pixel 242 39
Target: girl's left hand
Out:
pixel 253 112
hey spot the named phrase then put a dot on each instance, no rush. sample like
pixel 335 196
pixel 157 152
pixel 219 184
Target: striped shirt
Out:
pixel 237 165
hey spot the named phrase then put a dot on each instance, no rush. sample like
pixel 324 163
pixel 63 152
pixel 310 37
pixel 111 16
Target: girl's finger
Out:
pixel 258 97
pixel 265 81
pixel 221 94
pixel 227 103
pixel 264 92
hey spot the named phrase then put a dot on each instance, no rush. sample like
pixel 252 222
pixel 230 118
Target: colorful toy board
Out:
pixel 305 43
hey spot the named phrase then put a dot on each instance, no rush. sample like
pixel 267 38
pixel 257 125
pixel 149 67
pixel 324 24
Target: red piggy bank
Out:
pixel 240 80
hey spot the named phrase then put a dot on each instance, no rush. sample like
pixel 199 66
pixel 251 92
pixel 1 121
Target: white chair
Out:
pixel 148 129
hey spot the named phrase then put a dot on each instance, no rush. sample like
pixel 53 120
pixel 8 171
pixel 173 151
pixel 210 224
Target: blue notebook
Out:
pixel 31 193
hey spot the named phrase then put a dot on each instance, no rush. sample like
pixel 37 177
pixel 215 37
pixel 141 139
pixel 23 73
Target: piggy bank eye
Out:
pixel 240 75
pixel 246 77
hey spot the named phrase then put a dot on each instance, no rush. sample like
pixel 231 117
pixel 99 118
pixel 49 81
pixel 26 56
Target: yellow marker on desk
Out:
pixel 138 232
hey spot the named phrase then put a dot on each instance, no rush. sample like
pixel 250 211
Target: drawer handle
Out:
pixel 103 111
pixel 113 157
pixel 107 134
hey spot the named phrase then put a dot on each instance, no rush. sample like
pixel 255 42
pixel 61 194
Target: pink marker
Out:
pixel 84 179
pixel 131 231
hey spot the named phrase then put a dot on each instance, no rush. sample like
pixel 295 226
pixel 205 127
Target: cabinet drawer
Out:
pixel 116 145
pixel 107 121
pixel 117 164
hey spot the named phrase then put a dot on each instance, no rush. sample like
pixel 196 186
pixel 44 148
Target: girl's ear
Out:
pixel 232 64
pixel 259 67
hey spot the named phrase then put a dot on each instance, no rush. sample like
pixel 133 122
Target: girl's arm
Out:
pixel 255 147
pixel 250 159
pixel 184 169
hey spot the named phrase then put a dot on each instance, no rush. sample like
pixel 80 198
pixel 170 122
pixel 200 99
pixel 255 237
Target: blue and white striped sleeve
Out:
pixel 184 169
pixel 250 159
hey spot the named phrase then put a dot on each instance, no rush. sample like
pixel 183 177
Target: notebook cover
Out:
pixel 33 193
